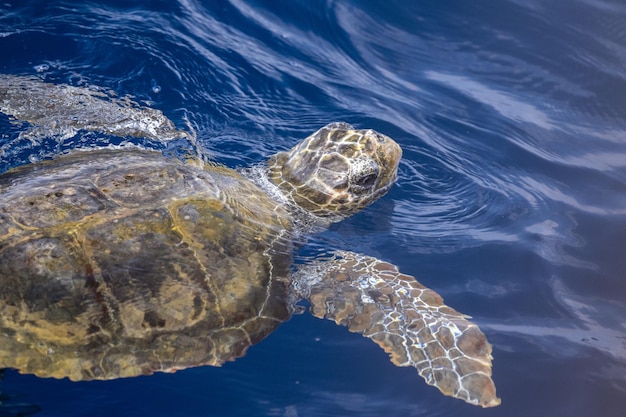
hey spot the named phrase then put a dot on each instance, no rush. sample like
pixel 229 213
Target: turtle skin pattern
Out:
pixel 409 321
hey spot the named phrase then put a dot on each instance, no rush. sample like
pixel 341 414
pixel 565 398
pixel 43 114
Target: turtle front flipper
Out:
pixel 406 319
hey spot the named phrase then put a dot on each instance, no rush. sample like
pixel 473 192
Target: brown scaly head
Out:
pixel 337 171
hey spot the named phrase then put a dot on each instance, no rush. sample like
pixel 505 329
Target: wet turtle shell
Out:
pixel 119 263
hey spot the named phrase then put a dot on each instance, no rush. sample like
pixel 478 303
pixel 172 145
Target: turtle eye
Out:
pixel 364 173
pixel 365 180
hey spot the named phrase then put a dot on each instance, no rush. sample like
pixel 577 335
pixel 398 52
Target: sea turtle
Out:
pixel 123 262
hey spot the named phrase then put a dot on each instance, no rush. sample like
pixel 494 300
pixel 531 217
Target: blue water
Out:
pixel 510 202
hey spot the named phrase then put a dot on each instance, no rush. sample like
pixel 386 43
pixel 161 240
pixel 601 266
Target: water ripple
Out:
pixel 511 115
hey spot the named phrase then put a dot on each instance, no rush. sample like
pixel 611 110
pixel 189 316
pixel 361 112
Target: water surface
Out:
pixel 510 202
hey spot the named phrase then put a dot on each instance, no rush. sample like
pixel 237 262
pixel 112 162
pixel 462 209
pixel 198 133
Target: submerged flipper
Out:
pixel 406 319
pixel 56 110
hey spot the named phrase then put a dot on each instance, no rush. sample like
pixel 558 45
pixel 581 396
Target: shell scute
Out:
pixel 140 263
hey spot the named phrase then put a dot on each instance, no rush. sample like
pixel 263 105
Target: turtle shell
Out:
pixel 118 263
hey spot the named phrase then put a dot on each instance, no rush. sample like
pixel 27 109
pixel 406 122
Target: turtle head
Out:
pixel 338 170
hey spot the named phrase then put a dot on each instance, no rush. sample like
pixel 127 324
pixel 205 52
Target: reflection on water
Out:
pixel 588 322
pixel 506 105
pixel 510 198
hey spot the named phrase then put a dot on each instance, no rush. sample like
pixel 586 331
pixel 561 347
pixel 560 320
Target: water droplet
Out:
pixel 42 67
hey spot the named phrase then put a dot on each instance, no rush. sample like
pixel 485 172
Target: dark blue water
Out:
pixel 511 198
